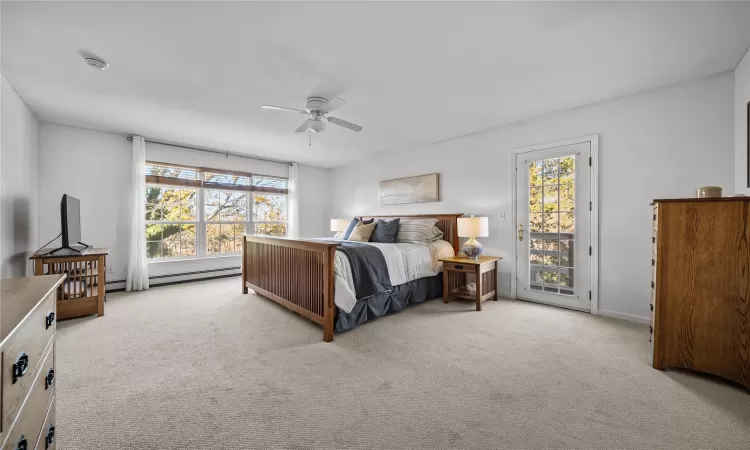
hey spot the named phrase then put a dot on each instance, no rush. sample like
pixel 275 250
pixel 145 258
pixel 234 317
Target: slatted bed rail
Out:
pixel 297 274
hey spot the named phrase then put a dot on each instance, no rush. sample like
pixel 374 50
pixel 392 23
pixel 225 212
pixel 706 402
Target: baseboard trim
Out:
pixel 177 278
pixel 196 272
pixel 624 316
pixel 170 283
pixel 169 275
pixel 193 280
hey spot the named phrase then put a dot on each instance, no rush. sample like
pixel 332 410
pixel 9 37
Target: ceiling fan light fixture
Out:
pixel 317 125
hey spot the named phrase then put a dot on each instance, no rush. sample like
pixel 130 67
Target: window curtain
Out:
pixel 293 202
pixel 137 279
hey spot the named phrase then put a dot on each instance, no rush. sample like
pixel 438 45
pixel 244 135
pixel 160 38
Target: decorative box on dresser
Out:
pixel 27 349
pixel 701 286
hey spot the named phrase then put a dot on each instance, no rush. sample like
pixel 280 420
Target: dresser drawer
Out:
pixel 458 267
pixel 25 346
pixel 46 439
pixel 31 418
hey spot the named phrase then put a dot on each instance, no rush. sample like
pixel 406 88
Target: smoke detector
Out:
pixel 96 62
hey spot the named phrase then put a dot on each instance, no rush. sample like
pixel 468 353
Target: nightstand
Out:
pixel 455 275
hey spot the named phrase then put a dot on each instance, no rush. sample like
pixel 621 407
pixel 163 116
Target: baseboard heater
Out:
pixel 178 278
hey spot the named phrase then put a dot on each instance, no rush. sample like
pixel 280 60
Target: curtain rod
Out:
pixel 130 138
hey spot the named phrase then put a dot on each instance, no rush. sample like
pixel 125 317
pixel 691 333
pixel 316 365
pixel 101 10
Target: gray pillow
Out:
pixel 385 232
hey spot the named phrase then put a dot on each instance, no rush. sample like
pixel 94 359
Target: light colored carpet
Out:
pixel 201 366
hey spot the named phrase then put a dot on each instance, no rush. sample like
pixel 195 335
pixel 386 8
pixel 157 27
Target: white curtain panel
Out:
pixel 293 202
pixel 137 279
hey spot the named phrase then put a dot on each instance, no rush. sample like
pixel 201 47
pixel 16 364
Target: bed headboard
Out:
pixel 448 224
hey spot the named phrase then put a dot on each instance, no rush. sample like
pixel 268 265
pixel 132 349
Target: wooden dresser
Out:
pixel 27 349
pixel 701 286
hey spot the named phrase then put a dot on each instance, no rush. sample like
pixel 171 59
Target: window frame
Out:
pixel 201 241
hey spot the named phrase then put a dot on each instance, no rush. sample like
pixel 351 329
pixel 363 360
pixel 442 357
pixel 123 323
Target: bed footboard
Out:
pixel 297 274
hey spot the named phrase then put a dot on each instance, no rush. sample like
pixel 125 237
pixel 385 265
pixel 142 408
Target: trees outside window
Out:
pixel 170 221
pixel 210 215
pixel 269 214
pixel 552 223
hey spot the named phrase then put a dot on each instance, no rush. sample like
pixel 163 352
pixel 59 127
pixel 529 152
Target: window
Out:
pixel 226 219
pixel 171 221
pixel 196 212
pixel 552 224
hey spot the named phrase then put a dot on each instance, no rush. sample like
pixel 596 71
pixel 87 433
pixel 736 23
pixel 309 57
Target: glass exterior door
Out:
pixel 553 226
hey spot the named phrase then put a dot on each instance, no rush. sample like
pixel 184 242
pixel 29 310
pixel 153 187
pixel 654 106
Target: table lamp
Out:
pixel 472 227
pixel 339 225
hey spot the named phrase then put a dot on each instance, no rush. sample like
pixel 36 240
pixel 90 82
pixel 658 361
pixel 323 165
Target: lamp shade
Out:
pixel 473 227
pixel 339 224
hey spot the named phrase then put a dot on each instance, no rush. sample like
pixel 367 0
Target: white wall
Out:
pixel 652 145
pixel 741 97
pixel 19 152
pixel 95 167
pixel 313 202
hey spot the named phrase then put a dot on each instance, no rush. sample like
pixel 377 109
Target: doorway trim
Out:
pixel 593 140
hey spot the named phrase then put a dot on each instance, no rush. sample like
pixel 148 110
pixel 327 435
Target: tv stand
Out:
pixel 71 250
pixel 83 291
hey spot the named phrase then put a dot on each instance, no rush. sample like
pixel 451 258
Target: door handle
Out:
pixel 520 232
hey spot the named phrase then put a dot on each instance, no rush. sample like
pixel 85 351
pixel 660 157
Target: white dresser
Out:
pixel 27 349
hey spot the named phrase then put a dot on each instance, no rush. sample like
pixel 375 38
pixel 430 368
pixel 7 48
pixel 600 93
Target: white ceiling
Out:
pixel 412 73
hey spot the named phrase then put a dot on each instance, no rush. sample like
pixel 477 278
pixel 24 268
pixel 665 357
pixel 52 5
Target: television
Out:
pixel 70 216
pixel 70 220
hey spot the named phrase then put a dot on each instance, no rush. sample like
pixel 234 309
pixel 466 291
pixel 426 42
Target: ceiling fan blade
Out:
pixel 281 108
pixel 304 126
pixel 336 103
pixel 345 124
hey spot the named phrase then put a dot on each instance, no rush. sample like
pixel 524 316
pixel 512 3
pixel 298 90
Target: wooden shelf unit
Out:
pixel 84 290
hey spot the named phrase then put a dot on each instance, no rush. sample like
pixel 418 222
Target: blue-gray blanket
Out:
pixel 369 270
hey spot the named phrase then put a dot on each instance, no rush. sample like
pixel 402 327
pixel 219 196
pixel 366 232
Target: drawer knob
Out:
pixel 23 444
pixel 20 367
pixel 49 379
pixel 459 267
pixel 50 436
pixel 49 320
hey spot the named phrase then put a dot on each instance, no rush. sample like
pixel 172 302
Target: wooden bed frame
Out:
pixel 298 273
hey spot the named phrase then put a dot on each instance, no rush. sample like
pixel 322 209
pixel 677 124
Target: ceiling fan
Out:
pixel 318 108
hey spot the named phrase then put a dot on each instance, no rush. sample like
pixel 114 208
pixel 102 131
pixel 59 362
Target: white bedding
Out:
pixel 406 262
